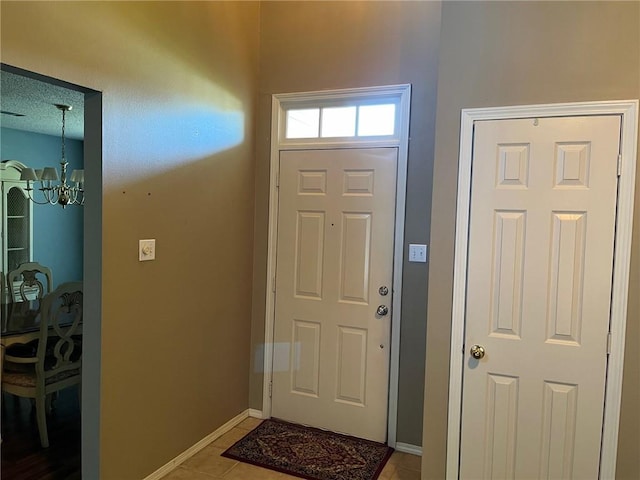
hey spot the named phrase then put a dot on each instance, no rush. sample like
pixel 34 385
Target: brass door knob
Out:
pixel 477 352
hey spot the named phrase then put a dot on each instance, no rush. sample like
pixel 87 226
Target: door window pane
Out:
pixel 303 123
pixel 376 120
pixel 338 122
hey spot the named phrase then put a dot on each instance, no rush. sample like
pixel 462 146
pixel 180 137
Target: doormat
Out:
pixel 310 453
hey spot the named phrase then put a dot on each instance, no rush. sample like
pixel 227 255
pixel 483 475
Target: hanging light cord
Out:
pixel 64 111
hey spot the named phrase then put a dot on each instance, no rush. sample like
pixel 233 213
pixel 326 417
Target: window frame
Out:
pixel 328 99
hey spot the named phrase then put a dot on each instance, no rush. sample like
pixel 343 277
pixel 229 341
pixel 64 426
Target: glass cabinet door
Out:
pixel 18 228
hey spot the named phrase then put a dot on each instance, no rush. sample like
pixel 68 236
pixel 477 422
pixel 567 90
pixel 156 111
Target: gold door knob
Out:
pixel 477 352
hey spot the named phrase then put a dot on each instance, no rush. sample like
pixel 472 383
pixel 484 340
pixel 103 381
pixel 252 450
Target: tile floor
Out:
pixel 207 464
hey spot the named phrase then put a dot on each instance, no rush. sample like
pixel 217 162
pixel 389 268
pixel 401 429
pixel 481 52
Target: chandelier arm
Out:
pixel 73 195
pixel 32 198
pixel 79 198
pixel 51 194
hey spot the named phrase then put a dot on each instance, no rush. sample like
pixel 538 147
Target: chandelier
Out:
pixel 56 193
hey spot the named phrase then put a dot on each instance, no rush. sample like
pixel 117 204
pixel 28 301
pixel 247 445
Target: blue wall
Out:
pixel 57 233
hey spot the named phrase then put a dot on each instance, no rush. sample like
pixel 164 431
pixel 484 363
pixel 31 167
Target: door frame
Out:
pixel 628 111
pixel 92 270
pixel 401 94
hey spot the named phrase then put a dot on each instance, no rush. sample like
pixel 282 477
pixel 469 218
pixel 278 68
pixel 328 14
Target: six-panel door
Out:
pixel 541 234
pixel 334 252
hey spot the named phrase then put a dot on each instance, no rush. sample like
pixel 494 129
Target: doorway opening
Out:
pixel 318 123
pixel 42 92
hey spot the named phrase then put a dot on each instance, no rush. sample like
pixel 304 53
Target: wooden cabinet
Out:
pixel 16 238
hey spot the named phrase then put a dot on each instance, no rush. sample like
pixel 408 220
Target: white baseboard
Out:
pixel 407 448
pixel 191 451
pixel 255 413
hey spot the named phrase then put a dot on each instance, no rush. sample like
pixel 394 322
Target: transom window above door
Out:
pixel 354 118
pixel 343 121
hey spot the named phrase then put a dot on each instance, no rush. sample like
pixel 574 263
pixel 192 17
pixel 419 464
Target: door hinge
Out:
pixel 273 284
pixel 609 343
pixel 278 179
pixel 270 389
pixel 619 165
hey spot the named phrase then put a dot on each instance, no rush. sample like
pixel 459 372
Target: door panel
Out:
pixel 355 257
pixel 306 354
pixel 335 249
pixel 310 248
pixel 541 231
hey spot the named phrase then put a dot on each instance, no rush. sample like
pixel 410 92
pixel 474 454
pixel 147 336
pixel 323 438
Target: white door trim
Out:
pixel 401 141
pixel 628 110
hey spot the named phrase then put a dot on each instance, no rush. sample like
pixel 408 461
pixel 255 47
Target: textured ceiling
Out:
pixel 35 100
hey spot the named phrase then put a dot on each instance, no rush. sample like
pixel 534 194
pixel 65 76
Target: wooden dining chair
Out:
pixel 26 282
pixel 57 363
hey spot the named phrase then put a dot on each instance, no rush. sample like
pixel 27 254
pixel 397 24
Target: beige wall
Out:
pixel 326 45
pixel 503 53
pixel 175 332
pixel 179 83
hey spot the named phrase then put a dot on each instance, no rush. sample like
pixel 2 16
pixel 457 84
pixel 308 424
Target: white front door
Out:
pixel 540 260
pixel 334 261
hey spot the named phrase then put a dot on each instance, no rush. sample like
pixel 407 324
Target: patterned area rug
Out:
pixel 310 453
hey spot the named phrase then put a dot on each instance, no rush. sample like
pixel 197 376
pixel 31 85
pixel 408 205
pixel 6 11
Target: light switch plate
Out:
pixel 417 253
pixel 147 249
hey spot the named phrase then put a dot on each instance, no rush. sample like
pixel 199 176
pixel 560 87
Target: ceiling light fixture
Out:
pixel 62 193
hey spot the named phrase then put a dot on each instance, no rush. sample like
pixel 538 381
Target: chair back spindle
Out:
pixel 61 316
pixel 29 276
